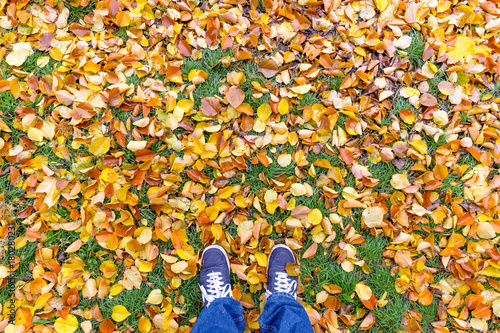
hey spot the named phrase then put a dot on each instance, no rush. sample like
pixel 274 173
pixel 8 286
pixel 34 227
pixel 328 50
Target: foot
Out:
pixel 278 280
pixel 214 274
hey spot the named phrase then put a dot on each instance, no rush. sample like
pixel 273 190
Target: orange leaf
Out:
pixel 428 100
pixel 235 96
pixel 368 322
pixel 407 116
pixel 425 297
pixel 346 156
pixel 403 258
pixel 311 251
pixel 107 326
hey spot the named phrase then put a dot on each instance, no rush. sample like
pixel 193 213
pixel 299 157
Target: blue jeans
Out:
pixel 282 314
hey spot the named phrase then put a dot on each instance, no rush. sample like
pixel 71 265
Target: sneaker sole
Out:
pixel 220 248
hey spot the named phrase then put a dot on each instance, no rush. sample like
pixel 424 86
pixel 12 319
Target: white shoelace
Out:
pixel 215 288
pixel 283 284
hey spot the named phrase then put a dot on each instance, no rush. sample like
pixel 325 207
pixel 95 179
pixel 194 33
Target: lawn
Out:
pixel 364 135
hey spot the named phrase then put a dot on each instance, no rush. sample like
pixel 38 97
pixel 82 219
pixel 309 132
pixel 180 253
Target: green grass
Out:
pixel 134 80
pixel 333 82
pixel 309 98
pixel 76 14
pixel 323 270
pixel 428 314
pixel 10 192
pixel 31 66
pixel 433 83
pixel 372 249
pixel 433 145
pixel 388 317
pixel 26 255
pixel 209 63
pixel 494 91
pixel 122 33
pixel 383 171
pixel 416 49
pixel 400 103
pixel 191 294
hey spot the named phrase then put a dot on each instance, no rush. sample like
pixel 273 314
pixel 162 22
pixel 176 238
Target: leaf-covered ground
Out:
pixel 363 134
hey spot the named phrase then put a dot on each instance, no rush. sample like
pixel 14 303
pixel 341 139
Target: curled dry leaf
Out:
pixel 268 68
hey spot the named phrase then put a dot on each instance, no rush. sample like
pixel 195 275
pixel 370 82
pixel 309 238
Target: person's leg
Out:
pixel 224 315
pixel 221 312
pixel 282 313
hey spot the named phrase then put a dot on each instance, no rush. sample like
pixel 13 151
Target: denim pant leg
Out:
pixel 224 315
pixel 283 314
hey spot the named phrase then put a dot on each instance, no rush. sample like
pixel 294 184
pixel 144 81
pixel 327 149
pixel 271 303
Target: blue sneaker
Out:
pixel 215 273
pixel 278 280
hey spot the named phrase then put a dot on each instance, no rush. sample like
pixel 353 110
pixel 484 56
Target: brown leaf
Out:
pixel 268 68
pixel 235 96
pixel 210 106
pixel 428 100
pixel 64 97
pixel 79 30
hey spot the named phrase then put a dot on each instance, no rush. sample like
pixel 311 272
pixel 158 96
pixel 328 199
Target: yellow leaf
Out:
pixel 270 196
pixel 136 145
pixel 284 160
pixel 253 277
pixel 491 271
pixel 298 189
pixel 283 106
pixel 240 201
pixel 119 313
pixel 116 289
pixel 440 117
pixel 496 307
pixel 485 230
pixel 35 134
pixel 301 90
pixel 42 300
pixel 315 217
pixel 20 52
pixel 109 175
pixel 373 217
pixel 403 42
pixel 100 146
pixel 66 326
pixel 261 259
pixel 178 267
pixel 381 4
pixel 264 112
pixel 412 91
pixel 155 297
pixel 400 181
pixel 463 47
pixel 42 61
pixel 419 145
pixel 363 291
